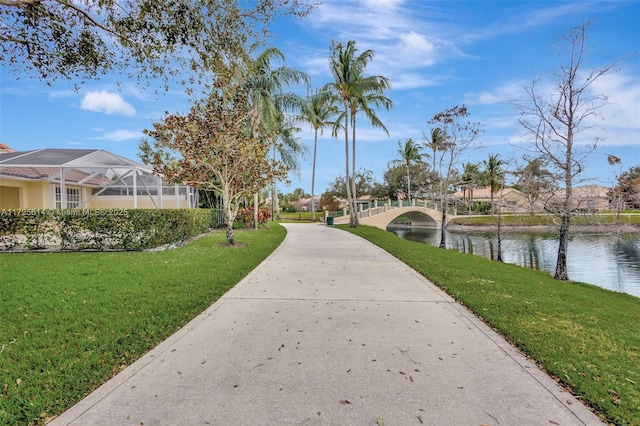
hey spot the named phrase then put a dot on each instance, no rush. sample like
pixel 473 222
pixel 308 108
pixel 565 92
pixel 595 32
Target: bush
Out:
pixel 244 218
pixel 102 229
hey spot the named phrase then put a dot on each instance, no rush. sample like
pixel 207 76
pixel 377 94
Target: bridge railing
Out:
pixel 373 208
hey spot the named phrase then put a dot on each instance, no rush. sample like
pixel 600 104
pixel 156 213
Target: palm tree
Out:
pixel 436 141
pixel 372 89
pixel 288 148
pixel 356 92
pixel 409 153
pixel 266 90
pixel 470 178
pixel 494 175
pixel 317 110
pixel 268 102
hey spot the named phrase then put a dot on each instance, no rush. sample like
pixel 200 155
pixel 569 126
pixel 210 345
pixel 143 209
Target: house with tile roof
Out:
pixel 589 198
pixel 510 199
pixel 83 178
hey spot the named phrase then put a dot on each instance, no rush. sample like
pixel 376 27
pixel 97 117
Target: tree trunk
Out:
pixel 561 263
pixel 565 218
pixel 408 185
pixel 491 191
pixel 499 224
pixel 275 193
pixel 352 222
pixel 353 212
pixel 354 196
pixel 313 178
pixel 255 211
pixel 443 235
pixel 230 240
pixel 229 217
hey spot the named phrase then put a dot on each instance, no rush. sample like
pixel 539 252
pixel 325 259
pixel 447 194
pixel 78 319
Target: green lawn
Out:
pixel 300 216
pixel 585 336
pixel 70 321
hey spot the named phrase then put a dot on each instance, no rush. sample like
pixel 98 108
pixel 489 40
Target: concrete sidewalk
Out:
pixel 331 330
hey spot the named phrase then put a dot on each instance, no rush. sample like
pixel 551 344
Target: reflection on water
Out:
pixel 609 261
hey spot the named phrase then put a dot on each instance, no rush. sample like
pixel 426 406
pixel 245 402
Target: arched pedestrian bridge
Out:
pixel 419 213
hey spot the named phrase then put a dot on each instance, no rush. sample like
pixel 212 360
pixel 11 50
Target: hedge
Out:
pixel 102 229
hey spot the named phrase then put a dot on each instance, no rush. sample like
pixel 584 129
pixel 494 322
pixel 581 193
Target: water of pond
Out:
pixel 609 261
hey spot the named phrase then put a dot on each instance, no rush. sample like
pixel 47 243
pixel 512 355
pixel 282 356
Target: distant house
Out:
pixel 509 199
pixel 83 178
pixel 586 197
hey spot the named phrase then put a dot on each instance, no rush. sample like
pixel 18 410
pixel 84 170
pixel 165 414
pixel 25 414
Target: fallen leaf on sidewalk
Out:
pixel 344 401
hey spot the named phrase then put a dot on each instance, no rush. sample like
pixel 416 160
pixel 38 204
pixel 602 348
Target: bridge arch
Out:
pixel 381 217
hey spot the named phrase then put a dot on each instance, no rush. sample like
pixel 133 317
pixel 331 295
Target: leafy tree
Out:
pixel 329 202
pixel 628 187
pixel 395 180
pixel 364 184
pixel 554 118
pixel 356 92
pixel 148 38
pixel 534 181
pixel 494 175
pixel 318 109
pixel 212 147
pixel 459 136
pixel 298 193
pixel 409 153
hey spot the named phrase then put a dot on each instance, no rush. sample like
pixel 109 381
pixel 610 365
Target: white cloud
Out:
pixel 412 81
pixel 62 94
pixel 108 103
pixel 415 50
pixel 623 101
pixel 502 94
pixel 120 135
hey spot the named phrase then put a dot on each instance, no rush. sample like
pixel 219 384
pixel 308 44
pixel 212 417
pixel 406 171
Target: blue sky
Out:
pixel 438 54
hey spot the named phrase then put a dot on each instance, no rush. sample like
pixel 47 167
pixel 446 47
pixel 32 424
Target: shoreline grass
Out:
pixel 70 321
pixel 607 219
pixel 584 336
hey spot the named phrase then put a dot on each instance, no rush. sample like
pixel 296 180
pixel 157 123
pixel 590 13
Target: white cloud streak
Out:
pixel 119 135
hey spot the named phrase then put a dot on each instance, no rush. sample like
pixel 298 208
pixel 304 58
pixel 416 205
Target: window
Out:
pixel 73 198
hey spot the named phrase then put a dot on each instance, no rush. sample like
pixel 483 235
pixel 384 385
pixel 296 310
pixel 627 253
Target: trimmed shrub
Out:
pixel 102 229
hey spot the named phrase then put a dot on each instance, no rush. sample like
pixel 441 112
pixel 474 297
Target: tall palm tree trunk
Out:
pixel 352 221
pixel 275 194
pixel 354 195
pixel 492 208
pixel 408 185
pixel 313 177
